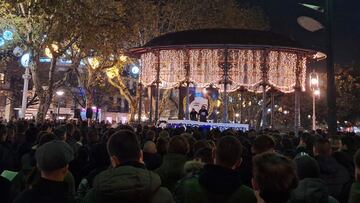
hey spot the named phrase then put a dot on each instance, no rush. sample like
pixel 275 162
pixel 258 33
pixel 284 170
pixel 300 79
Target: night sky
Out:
pixel 282 16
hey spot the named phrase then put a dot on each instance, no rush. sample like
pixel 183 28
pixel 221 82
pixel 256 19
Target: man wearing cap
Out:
pixel 53 161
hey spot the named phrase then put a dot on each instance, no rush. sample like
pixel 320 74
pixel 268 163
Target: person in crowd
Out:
pixel 172 167
pixel 203 114
pixel 311 187
pixel 151 158
pixel 274 177
pixel 263 143
pixel 193 115
pixel 162 146
pixel 52 159
pixel 355 188
pixel 218 182
pixel 337 178
pixel 196 165
pixel 60 133
pixel 127 180
pixel 306 144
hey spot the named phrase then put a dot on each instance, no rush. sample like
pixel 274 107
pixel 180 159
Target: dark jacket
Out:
pixel 171 169
pixel 215 184
pixel 128 183
pixel 203 113
pixel 355 193
pixel 4 189
pixel 46 191
pixel 152 160
pixel 311 190
pixel 335 176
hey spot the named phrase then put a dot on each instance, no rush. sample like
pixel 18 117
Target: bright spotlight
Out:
pixel 25 60
pixel 8 35
pixel 60 93
pixel 135 70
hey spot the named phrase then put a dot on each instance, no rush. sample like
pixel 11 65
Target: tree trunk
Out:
pixel 44 104
pixel 89 99
pixel 132 108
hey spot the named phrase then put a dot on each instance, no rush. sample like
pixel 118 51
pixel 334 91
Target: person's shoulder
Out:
pixel 244 194
pixel 26 196
pixel 162 195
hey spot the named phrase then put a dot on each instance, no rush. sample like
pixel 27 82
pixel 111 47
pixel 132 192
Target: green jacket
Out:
pixel 171 170
pixel 128 183
pixel 355 193
pixel 214 184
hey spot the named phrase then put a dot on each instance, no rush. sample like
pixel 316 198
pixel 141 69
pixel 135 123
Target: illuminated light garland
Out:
pixel 172 68
pixel 148 68
pixel 205 69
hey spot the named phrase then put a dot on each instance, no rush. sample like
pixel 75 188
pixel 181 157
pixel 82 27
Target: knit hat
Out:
pixel 54 155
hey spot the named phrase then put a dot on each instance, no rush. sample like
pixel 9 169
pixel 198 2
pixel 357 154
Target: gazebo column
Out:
pixel 187 112
pixel 187 81
pixel 140 102
pixel 297 121
pixel 272 109
pixel 157 88
pixel 151 103
pixel 264 112
pixel 264 72
pixel 180 104
pixel 226 67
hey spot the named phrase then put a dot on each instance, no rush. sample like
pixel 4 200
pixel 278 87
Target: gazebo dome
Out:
pixel 222 36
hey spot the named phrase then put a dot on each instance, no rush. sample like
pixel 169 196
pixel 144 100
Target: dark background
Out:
pixel 282 15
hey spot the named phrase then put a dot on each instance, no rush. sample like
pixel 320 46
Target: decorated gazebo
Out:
pixel 229 59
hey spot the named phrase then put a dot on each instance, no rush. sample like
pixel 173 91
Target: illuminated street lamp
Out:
pixel 59 93
pixel 314 86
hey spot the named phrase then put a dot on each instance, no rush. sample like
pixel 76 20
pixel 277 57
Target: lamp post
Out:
pixel 25 62
pixel 59 93
pixel 314 86
pixel 313 26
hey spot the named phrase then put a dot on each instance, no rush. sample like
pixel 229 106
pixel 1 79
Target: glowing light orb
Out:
pixel 25 60
pixel 135 70
pixel 8 35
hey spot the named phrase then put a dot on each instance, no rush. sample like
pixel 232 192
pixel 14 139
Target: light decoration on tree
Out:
pixel 249 68
pixel 48 51
pixel 112 72
pixel 123 58
pixel 94 62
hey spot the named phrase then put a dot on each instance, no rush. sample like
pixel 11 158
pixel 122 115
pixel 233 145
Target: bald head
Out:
pixel 150 147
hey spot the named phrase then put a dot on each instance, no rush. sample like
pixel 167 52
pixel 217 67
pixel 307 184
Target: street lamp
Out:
pixel 314 86
pixel 236 117
pixel 59 93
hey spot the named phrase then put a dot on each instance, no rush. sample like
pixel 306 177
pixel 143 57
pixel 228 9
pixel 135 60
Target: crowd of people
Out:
pixel 74 162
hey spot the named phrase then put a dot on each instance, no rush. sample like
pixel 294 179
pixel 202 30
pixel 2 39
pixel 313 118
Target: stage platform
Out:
pixel 221 126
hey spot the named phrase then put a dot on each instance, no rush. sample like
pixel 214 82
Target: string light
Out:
pixel 247 68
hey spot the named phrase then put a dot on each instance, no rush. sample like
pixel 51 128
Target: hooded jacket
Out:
pixel 215 184
pixel 311 190
pixel 128 184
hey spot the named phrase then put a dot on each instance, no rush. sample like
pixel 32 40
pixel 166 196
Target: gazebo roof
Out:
pixel 219 38
pixel 222 36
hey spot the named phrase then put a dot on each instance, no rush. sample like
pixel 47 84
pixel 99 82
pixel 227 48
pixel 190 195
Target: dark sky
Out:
pixel 282 15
